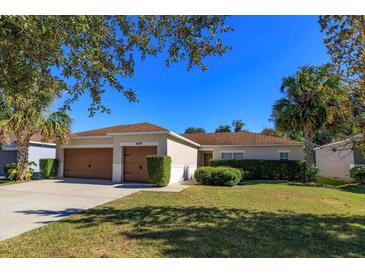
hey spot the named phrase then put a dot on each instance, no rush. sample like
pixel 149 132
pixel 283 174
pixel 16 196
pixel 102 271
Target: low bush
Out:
pixel 203 175
pixel 266 169
pixel 223 176
pixel 48 167
pixel 310 173
pixel 11 170
pixel 358 174
pixel 239 171
pixel 159 169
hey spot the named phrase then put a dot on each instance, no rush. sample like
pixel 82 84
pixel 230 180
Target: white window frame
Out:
pixel 233 152
pixel 283 151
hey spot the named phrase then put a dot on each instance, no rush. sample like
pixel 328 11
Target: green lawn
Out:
pixel 255 220
pixel 333 181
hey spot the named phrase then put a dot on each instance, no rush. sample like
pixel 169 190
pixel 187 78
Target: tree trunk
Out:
pixel 308 146
pixel 22 157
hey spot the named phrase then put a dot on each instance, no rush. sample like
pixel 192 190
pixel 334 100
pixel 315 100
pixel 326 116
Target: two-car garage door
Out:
pixel 88 163
pixel 98 162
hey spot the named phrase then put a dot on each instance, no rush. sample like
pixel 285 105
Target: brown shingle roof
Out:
pixel 140 127
pixel 35 138
pixel 238 138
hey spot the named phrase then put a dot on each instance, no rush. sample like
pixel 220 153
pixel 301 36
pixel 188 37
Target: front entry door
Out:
pixel 135 163
pixel 207 156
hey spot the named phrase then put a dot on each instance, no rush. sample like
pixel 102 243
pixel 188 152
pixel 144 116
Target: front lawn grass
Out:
pixel 333 181
pixel 6 182
pixel 252 220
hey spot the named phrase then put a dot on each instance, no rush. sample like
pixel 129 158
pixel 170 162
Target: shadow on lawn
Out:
pixel 231 232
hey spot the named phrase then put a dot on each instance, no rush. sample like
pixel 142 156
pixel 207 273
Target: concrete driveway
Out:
pixel 26 206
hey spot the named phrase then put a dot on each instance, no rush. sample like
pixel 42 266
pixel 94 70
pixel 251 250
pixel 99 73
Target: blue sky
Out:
pixel 242 84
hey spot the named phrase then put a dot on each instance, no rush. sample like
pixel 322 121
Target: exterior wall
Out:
pixel 184 159
pixel 35 152
pixel 119 141
pixel 39 151
pixel 259 152
pixel 6 157
pixel 334 160
pixel 116 142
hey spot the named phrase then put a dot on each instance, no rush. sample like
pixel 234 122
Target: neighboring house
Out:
pixel 337 158
pixel 37 150
pixel 119 153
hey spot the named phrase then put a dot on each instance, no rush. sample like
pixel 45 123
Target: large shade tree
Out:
pixel 314 96
pixel 92 54
pixel 345 41
pixel 88 54
pixel 28 114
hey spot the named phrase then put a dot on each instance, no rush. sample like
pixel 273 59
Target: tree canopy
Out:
pixel 345 41
pixel 223 128
pixel 271 132
pixel 238 125
pixel 194 130
pixel 91 53
pixel 315 96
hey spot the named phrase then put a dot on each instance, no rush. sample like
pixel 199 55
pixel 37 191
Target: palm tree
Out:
pixel 314 96
pixel 26 114
pixel 238 125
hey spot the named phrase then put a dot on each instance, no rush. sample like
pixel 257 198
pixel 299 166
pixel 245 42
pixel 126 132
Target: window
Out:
pixel 227 156
pixel 238 155
pixel 284 156
pixel 232 155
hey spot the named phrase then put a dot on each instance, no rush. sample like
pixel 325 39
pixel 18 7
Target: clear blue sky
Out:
pixel 242 84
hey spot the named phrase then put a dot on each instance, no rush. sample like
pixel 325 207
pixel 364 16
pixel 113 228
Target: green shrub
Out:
pixel 239 171
pixel 358 174
pixel 266 169
pixel 11 170
pixel 48 167
pixel 203 175
pixel 159 169
pixel 223 176
pixel 310 173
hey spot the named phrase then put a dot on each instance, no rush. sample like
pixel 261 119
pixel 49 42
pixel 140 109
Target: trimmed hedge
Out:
pixel 358 174
pixel 159 169
pixel 267 169
pixel 48 167
pixel 222 176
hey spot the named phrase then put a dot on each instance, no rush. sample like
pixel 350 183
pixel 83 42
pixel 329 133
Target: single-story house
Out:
pixel 337 158
pixel 119 153
pixel 37 150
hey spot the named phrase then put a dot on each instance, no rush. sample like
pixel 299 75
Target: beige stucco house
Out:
pixel 119 153
pixel 337 158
